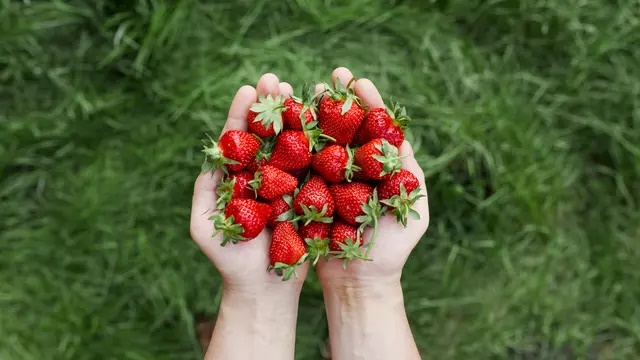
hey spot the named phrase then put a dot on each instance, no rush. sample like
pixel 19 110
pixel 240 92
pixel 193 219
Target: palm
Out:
pixel 392 247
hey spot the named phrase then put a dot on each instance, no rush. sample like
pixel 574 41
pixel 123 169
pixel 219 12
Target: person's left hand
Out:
pixel 243 266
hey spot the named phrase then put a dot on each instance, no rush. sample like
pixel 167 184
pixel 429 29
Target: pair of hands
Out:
pixel 243 265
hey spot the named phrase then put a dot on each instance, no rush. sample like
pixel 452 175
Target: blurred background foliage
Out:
pixel 526 119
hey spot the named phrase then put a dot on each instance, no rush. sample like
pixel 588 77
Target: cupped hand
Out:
pixel 393 242
pixel 243 266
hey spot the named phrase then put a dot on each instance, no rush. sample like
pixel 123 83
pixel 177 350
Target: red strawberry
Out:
pixel 340 233
pixel 316 235
pixel 262 156
pixel 355 203
pixel 257 163
pixel 265 117
pixel 345 242
pixel 334 163
pixel 291 151
pixel 281 210
pixel 394 135
pixel 400 193
pixel 234 186
pixel 234 150
pixel 287 250
pixel 271 182
pixel 314 201
pixel 315 230
pixel 297 109
pixel 384 123
pixel 242 220
pixel 341 114
pixel 378 159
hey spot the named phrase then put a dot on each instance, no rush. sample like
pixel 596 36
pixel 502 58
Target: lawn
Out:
pixel 526 122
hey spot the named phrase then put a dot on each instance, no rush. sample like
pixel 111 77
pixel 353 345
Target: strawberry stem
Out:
pixel 373 239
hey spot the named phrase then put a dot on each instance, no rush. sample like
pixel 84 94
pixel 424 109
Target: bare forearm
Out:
pixel 368 322
pixel 257 325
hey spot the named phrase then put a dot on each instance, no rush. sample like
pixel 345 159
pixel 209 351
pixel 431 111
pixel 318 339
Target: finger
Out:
pixel 409 162
pixel 203 204
pixel 343 75
pixel 320 88
pixel 268 85
pixel 368 93
pixel 286 89
pixel 237 119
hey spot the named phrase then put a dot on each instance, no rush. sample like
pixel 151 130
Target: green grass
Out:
pixel 527 117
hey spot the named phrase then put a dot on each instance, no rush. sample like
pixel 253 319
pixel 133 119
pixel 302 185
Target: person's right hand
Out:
pixel 394 242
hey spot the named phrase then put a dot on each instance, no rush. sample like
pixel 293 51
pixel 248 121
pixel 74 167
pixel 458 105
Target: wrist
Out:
pixel 255 321
pixel 262 300
pixel 356 295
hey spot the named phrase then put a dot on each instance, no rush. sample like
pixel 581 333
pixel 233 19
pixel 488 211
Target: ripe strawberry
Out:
pixel 345 242
pixel 353 202
pixel 234 150
pixel 299 110
pixel 400 193
pixel 340 233
pixel 287 250
pixel 314 201
pixel 357 204
pixel 315 230
pixel 271 182
pixel 281 210
pixel 291 151
pixel 341 114
pixel 265 117
pixel 234 186
pixel 334 163
pixel 262 156
pixel 384 123
pixel 316 235
pixel 242 220
pixel 378 159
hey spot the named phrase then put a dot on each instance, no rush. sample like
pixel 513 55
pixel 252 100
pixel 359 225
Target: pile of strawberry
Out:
pixel 318 170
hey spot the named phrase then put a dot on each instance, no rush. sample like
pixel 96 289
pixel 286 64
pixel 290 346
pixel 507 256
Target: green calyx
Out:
pixel 351 168
pixel 287 215
pixel 317 248
pixel 339 92
pixel 286 271
pixel 225 192
pixel 311 214
pixel 231 232
pixel 214 159
pixel 265 151
pixel 317 139
pixel 372 210
pixel 256 182
pixel 389 159
pixel 269 110
pixel 350 250
pixel 399 115
pixel 402 205
pixel 308 102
